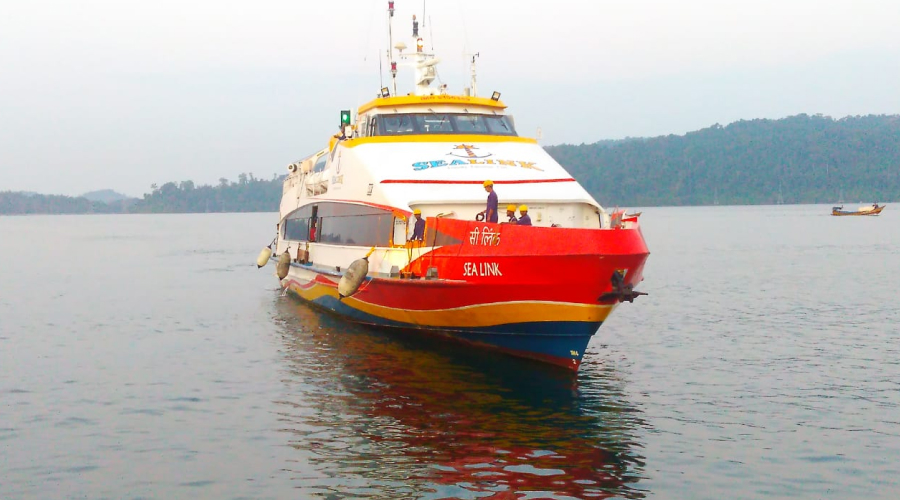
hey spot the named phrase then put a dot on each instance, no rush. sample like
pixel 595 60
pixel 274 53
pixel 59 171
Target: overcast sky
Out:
pixel 121 94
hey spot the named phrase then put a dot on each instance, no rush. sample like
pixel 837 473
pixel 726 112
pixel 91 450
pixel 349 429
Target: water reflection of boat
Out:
pixel 402 416
pixel 873 209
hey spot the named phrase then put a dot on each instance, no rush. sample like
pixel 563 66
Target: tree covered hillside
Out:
pixel 248 194
pixel 19 203
pixel 800 159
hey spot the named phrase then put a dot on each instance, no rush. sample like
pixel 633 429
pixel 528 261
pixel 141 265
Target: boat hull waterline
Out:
pixel 537 297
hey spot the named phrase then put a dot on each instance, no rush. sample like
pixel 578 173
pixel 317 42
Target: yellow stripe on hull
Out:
pixel 479 315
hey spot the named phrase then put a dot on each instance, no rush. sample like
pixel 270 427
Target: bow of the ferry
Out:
pixel 535 292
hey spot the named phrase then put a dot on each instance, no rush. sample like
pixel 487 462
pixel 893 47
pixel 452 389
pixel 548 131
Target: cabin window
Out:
pixel 397 124
pixel 357 230
pixel 320 164
pixel 441 123
pixel 296 229
pixel 434 123
pixel 499 125
pixel 296 224
pixel 471 124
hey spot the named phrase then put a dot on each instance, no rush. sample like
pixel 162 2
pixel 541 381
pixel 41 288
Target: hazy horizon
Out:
pixel 107 95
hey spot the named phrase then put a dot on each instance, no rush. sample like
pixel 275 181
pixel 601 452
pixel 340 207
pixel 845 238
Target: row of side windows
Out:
pixel 348 224
pixel 340 224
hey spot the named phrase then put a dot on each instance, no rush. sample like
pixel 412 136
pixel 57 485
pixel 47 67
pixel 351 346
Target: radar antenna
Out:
pixel 423 63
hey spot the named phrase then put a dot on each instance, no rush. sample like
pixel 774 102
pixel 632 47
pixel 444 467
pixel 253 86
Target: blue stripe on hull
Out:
pixel 565 340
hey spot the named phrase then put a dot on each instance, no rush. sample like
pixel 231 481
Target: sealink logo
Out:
pixel 466 155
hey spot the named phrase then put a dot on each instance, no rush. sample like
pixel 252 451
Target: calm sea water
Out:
pixel 146 356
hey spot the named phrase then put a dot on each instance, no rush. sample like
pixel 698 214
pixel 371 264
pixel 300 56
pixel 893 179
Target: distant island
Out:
pixel 105 196
pixel 799 159
pixel 248 194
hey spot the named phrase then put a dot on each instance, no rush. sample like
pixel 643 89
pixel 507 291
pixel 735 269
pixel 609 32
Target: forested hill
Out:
pixel 800 159
pixel 248 194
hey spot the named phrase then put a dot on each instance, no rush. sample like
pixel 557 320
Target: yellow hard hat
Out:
pixel 510 208
pixel 488 183
pixel 523 208
pixel 417 212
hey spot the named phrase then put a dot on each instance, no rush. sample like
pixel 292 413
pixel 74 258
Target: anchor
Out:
pixel 620 292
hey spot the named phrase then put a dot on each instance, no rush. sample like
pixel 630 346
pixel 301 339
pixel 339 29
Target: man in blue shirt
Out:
pixel 511 214
pixel 524 219
pixel 419 230
pixel 490 213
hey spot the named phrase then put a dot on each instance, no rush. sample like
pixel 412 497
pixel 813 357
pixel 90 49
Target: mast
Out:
pixel 423 63
pixel 473 87
pixel 390 51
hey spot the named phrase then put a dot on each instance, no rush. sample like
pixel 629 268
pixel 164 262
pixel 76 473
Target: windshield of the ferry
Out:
pixel 442 123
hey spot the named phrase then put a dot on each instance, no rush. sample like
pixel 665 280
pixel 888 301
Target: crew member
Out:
pixel 490 213
pixel 511 214
pixel 419 230
pixel 524 219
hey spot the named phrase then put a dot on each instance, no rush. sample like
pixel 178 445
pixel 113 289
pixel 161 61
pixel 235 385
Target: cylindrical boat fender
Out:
pixel 264 257
pixel 284 264
pixel 354 276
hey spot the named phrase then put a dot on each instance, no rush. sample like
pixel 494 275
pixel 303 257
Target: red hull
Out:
pixel 530 291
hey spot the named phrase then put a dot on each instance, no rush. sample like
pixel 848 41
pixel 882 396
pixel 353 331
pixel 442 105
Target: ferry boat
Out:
pixel 346 239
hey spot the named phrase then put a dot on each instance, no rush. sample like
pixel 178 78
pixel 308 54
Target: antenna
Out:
pixel 380 74
pixel 473 87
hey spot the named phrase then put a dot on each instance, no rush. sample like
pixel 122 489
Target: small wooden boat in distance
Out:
pixel 873 209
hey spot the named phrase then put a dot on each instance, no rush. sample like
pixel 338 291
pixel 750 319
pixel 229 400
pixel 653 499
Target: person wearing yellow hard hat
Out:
pixel 490 213
pixel 511 214
pixel 419 230
pixel 524 219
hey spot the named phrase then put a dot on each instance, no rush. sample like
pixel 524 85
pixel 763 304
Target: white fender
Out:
pixel 263 258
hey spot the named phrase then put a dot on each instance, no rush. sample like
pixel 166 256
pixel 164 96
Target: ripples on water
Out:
pixel 145 356
pixel 404 417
